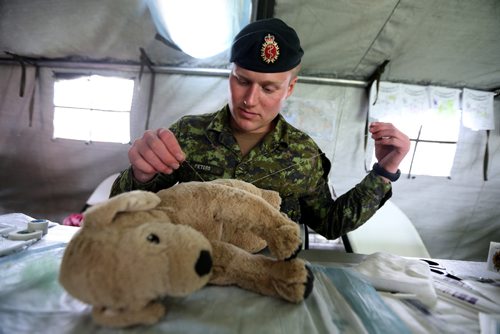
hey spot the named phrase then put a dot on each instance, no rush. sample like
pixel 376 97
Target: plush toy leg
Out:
pixel 148 315
pixel 244 212
pixel 246 239
pixel 270 196
pixel 281 234
pixel 290 280
pixel 228 211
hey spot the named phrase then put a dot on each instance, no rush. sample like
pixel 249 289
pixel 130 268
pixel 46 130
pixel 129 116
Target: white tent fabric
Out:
pixel 451 43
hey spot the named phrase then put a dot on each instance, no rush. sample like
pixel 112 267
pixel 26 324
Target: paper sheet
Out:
pixel 478 110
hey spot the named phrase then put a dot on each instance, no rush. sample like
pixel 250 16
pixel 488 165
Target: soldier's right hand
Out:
pixel 155 152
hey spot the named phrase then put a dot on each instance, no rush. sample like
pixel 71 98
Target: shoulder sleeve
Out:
pixel 354 208
pixel 316 203
pixel 126 182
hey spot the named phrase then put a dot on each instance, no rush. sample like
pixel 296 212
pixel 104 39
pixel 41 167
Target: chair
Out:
pixel 101 192
pixel 389 230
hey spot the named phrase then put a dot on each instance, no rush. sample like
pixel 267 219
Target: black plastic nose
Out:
pixel 204 263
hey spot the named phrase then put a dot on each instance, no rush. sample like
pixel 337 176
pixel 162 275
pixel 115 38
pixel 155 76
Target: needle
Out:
pixel 194 170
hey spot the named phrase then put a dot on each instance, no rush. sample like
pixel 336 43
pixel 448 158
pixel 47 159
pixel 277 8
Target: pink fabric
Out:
pixel 74 219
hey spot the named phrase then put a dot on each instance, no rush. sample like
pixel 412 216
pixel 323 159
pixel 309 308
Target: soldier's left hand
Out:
pixel 391 145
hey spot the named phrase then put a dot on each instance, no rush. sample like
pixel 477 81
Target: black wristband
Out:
pixel 379 170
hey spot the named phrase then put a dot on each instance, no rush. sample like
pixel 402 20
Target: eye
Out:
pixel 153 238
pixel 269 89
pixel 241 81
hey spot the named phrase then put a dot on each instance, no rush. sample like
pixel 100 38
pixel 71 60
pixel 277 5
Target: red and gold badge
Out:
pixel 270 49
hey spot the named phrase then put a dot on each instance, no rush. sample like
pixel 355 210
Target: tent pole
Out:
pixel 213 72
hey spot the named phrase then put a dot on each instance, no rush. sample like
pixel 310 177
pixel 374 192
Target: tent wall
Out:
pixel 452 43
pixel 43 177
pixel 51 178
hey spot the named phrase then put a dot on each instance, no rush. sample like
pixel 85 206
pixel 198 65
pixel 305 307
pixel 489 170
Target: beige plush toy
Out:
pixel 139 247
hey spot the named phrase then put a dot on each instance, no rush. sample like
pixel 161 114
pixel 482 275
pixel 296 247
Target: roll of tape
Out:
pixel 25 235
pixel 38 225
pixel 494 257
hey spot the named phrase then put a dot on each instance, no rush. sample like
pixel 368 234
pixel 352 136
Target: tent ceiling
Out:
pixel 453 43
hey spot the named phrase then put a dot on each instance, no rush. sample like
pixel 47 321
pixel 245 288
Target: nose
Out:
pixel 251 95
pixel 204 263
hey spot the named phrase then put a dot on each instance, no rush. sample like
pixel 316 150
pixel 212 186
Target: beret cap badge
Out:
pixel 270 50
pixel 266 46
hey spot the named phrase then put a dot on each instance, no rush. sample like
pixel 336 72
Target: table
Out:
pixel 456 267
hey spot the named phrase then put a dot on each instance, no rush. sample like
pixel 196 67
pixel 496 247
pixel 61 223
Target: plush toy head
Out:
pixel 139 247
pixel 127 264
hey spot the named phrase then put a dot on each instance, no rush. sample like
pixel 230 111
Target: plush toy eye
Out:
pixel 153 238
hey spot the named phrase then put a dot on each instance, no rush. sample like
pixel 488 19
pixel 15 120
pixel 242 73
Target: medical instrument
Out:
pixel 456 290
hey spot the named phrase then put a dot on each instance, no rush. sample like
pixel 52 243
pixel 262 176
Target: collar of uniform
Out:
pixel 277 138
pixel 219 130
pixel 220 122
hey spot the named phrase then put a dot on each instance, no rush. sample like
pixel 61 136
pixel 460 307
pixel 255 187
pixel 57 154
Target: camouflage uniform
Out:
pixel 287 160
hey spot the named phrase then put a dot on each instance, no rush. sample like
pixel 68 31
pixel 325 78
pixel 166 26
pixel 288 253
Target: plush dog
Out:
pixel 139 247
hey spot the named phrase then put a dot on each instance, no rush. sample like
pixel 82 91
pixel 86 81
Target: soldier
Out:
pixel 249 140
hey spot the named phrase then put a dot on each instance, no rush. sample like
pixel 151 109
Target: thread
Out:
pixel 266 176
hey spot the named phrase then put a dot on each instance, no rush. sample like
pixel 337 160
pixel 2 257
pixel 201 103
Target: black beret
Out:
pixel 268 46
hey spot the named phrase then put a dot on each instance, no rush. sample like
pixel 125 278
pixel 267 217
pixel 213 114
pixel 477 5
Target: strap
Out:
pixel 365 142
pixel 146 61
pixel 486 157
pixel 374 77
pixel 32 100
pixel 22 85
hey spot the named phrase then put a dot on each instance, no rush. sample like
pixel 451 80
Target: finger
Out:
pixel 380 129
pixel 399 144
pixel 158 154
pixel 145 163
pixel 164 163
pixel 170 142
pixel 387 130
pixel 148 154
pixel 389 140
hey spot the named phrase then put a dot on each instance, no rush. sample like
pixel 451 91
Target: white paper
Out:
pixel 444 100
pixel 385 103
pixel 414 99
pixel 477 110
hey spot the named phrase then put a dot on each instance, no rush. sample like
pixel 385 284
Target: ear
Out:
pixel 104 213
pixel 291 86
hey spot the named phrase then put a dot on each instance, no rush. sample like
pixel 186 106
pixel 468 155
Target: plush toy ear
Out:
pixel 104 213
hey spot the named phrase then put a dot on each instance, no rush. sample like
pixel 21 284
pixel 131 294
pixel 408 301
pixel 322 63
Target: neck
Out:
pixel 248 140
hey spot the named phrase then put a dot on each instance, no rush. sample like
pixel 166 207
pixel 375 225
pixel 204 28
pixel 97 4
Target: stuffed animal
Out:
pixel 138 247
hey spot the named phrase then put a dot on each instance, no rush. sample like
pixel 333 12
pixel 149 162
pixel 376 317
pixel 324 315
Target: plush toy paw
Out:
pixel 148 315
pixel 292 280
pixel 289 280
pixel 285 243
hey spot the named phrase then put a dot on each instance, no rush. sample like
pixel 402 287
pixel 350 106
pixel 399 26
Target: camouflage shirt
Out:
pixel 286 160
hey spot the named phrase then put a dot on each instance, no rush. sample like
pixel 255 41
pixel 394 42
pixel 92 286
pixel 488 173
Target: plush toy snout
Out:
pixel 177 255
pixel 204 264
